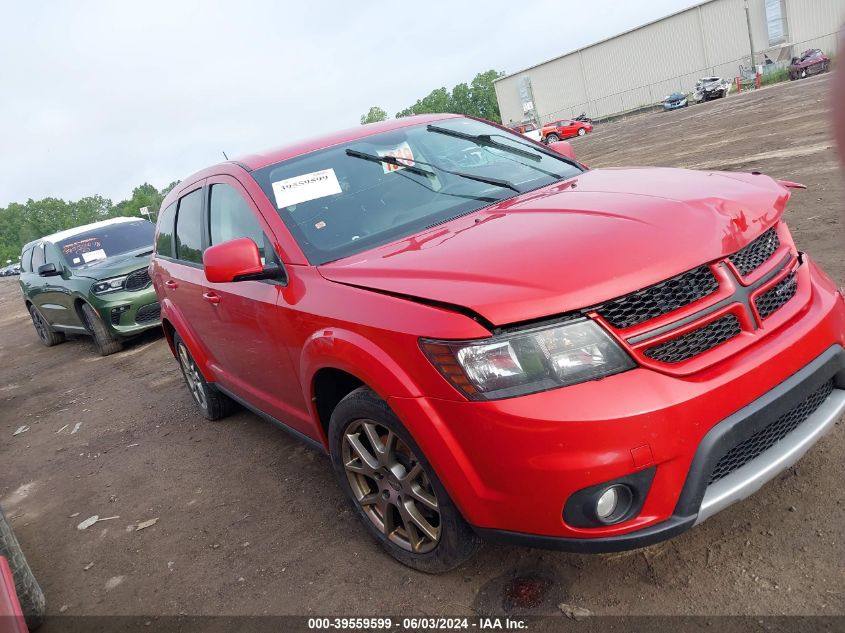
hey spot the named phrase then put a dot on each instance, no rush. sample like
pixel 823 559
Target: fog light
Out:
pixel 607 503
pixel 614 503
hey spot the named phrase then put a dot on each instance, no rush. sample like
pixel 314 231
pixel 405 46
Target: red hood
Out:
pixel 573 244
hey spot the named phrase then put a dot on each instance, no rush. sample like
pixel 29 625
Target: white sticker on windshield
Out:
pixel 318 184
pixel 403 152
pixel 93 256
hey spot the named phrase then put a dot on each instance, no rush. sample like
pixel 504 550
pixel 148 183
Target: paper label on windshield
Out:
pixel 93 256
pixel 317 184
pixel 402 151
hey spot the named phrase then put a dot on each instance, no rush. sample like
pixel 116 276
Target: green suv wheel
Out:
pixel 103 339
pixel 46 334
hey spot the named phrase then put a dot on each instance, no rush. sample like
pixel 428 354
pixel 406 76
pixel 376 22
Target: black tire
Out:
pixel 47 335
pixel 33 604
pixel 103 339
pixel 552 138
pixel 457 541
pixel 213 404
pixel 581 131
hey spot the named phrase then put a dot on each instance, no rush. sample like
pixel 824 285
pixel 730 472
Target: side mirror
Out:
pixel 564 148
pixel 236 260
pixel 48 270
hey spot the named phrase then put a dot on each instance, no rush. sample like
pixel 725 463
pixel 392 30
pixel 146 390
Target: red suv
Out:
pixel 557 130
pixel 491 341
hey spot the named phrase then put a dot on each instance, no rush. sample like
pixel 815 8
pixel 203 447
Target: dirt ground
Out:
pixel 252 522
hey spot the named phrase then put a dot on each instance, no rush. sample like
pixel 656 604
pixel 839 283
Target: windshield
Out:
pixel 98 244
pixel 337 203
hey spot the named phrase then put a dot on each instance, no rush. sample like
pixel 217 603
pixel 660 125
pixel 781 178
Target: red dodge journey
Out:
pixel 492 341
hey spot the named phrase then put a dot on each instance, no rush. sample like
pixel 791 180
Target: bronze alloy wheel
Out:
pixel 192 375
pixel 391 486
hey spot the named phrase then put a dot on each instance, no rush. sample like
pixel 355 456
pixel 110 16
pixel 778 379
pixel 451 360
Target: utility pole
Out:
pixel 750 37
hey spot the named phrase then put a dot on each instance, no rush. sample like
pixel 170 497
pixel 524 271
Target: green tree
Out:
pixel 375 115
pixel 476 99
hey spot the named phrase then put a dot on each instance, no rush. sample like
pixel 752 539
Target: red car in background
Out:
pixel 490 340
pixel 564 128
pixel 811 62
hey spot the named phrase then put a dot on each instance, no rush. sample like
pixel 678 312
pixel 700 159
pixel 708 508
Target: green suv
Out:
pixel 91 280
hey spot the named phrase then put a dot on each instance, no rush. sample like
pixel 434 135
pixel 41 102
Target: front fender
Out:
pixel 356 355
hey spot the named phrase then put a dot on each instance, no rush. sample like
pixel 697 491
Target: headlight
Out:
pixel 529 361
pixel 109 285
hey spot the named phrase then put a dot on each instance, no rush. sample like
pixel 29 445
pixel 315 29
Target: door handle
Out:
pixel 171 284
pixel 212 297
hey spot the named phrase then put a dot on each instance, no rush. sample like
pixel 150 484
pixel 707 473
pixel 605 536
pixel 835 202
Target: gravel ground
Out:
pixel 251 522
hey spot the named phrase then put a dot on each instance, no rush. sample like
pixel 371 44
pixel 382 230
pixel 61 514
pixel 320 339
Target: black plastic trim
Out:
pixel 318 446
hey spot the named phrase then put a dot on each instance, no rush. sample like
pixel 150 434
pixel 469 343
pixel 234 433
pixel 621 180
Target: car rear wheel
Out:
pixel 803 73
pixel 581 131
pixel 552 138
pixel 29 592
pixel 103 339
pixel 393 488
pixel 213 404
pixel 47 335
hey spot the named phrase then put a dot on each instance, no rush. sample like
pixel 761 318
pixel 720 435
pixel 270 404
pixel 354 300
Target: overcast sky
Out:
pixel 98 97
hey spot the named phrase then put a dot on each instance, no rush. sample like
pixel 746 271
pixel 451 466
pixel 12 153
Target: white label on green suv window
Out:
pixel 318 184
pixel 93 256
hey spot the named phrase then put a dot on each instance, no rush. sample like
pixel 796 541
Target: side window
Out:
pixel 231 217
pixel 189 228
pixel 164 239
pixel 26 259
pixel 37 257
pixel 52 256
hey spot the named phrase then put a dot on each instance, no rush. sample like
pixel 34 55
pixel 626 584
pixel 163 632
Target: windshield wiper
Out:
pixel 483 139
pixel 486 140
pixel 145 253
pixel 392 160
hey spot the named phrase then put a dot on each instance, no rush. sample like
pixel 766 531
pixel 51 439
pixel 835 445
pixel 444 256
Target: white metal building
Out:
pixel 639 67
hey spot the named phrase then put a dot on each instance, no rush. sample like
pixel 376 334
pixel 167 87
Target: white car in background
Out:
pixel 529 129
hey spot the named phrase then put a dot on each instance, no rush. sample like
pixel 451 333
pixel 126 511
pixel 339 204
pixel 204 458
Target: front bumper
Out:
pixel 128 313
pixel 700 499
pixel 675 105
pixel 511 465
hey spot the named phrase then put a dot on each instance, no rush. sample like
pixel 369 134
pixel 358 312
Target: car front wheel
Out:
pixel 103 339
pixel 393 488
pixel 581 131
pixel 552 138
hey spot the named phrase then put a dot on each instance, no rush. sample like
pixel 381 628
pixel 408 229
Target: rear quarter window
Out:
pixel 26 259
pixel 164 239
pixel 189 228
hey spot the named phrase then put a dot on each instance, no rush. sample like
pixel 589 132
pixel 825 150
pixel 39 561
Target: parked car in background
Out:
pixel 675 101
pixel 528 129
pixel 563 129
pixel 811 62
pixel 710 88
pixel 487 338
pixel 92 279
